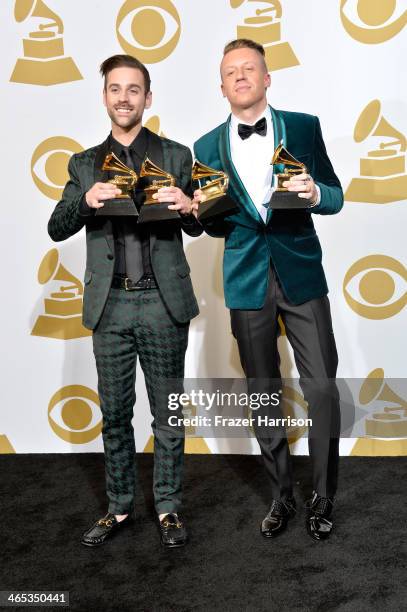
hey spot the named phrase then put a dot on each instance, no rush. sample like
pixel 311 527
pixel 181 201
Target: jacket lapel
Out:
pixel 236 185
pixel 156 155
pixel 280 134
pixel 101 176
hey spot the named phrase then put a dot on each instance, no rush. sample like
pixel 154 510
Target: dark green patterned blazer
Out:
pixel 288 238
pixel 168 260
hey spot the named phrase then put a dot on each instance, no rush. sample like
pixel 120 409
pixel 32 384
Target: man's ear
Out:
pixel 104 96
pixel 223 90
pixel 149 100
pixel 267 80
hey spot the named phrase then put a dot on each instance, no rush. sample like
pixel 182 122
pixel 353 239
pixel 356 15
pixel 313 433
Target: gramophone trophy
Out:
pixel 281 197
pixel 383 172
pixel 44 61
pixel 152 210
pixel 214 201
pixel 122 204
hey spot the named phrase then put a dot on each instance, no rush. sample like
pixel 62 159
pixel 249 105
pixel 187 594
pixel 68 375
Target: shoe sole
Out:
pixel 174 545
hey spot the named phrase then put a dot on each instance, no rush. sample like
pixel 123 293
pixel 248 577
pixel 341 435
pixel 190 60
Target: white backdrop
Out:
pixel 319 64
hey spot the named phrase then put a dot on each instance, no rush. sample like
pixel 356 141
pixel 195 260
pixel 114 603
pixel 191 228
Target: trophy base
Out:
pixel 377 190
pixel 118 207
pixel 157 212
pixel 287 200
pixel 45 72
pixel 222 205
pixel 60 328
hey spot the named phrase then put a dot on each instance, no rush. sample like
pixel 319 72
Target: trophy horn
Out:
pixel 374 388
pixel 149 168
pixel 113 163
pixel 372 123
pixel 200 171
pixel 51 269
pixel 37 8
pixel 282 156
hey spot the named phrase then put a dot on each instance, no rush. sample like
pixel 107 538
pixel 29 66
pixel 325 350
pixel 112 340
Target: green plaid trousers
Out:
pixel 138 324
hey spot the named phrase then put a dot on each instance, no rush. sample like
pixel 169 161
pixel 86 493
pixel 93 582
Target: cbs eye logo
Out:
pixel 378 278
pixel 51 173
pixel 143 22
pixel 373 21
pixel 76 420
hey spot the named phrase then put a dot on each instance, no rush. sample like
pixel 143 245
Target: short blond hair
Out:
pixel 246 43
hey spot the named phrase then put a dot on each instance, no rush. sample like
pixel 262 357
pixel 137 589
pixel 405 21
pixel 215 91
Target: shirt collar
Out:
pixel 138 146
pixel 234 121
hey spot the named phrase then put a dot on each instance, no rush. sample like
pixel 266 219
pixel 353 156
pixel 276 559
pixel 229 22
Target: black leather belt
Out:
pixel 123 282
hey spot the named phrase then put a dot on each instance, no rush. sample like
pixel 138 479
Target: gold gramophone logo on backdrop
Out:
pixel 5 446
pixel 63 308
pixel 383 175
pixel 194 445
pixel 389 422
pixel 382 284
pixel 264 27
pixel 373 21
pixel 55 167
pixel 43 62
pixel 76 420
pixel 153 28
pixel 153 124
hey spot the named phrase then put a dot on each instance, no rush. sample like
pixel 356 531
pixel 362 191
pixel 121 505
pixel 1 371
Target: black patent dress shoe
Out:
pixel 277 518
pixel 319 517
pixel 105 528
pixel 172 531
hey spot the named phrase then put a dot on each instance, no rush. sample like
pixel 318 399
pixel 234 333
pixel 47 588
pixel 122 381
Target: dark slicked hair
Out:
pixel 246 43
pixel 118 61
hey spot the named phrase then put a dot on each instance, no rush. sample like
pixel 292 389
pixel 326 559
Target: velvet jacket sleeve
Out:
pixel 325 177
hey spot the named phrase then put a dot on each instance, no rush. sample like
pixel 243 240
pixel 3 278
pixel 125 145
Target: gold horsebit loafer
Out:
pixel 104 528
pixel 172 531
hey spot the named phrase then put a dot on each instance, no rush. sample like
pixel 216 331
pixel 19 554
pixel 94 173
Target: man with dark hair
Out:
pixel 272 266
pixel 138 297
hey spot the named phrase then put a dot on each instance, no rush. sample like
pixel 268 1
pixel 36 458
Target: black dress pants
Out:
pixel 309 331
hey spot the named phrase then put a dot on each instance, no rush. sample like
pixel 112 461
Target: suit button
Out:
pixel 110 256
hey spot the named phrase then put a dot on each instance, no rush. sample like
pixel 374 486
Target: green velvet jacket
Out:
pixel 288 238
pixel 168 260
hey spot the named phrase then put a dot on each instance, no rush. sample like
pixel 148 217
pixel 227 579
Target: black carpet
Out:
pixel 47 501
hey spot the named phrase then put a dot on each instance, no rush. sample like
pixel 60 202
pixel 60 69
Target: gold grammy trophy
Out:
pixel 265 28
pixel 43 62
pixel 152 210
pixel 122 204
pixel 215 201
pixel 281 197
pixel 383 172
pixel 63 309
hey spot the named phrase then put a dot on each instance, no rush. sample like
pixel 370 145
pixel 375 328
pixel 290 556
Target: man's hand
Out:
pixel 304 185
pixel 198 197
pixel 181 202
pixel 99 192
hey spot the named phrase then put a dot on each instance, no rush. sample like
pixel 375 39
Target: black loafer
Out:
pixel 319 517
pixel 275 522
pixel 105 528
pixel 172 531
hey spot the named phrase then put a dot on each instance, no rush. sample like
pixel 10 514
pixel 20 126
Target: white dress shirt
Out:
pixel 251 158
